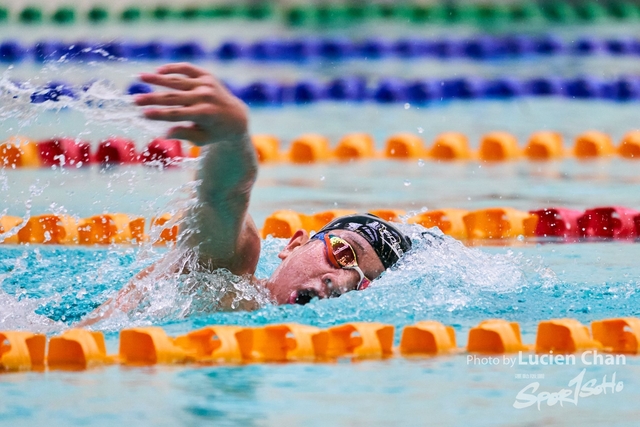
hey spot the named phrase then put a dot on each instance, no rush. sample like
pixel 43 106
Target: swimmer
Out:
pixel 346 255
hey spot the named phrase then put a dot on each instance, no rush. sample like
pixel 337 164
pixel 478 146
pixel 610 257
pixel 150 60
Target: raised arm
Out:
pixel 218 228
pixel 227 236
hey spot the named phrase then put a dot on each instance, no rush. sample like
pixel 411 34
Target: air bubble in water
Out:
pixel 420 162
pixel 407 183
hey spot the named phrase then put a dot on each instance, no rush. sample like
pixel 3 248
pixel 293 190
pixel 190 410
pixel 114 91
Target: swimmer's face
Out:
pixel 307 273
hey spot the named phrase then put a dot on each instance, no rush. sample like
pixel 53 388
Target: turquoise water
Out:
pixel 586 281
pixel 48 289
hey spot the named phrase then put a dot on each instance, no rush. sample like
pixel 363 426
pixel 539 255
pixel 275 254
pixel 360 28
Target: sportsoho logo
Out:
pixel 578 387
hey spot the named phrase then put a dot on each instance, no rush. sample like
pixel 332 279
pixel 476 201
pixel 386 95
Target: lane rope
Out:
pixel 80 349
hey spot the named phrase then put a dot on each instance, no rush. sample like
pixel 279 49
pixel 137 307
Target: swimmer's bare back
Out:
pixel 210 116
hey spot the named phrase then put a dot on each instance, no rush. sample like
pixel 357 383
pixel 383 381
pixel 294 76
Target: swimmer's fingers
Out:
pixel 181 114
pixel 185 68
pixel 173 81
pixel 201 94
pixel 193 133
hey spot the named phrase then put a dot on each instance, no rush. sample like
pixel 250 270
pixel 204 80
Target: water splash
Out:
pixel 99 101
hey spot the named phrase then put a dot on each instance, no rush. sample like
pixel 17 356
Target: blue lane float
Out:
pixel 478 48
pixel 395 90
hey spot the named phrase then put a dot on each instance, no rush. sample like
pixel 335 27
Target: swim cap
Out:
pixel 388 242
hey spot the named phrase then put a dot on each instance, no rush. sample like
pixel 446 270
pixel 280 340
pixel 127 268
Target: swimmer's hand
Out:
pixel 219 226
pixel 197 97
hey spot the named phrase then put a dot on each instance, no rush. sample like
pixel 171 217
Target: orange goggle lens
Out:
pixel 341 254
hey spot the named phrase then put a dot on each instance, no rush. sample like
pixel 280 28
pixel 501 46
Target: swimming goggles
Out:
pixel 341 255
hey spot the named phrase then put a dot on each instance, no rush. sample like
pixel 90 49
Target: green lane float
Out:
pixel 338 14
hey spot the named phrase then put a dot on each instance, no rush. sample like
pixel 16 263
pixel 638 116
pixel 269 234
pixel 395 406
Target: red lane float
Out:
pixel 557 222
pixel 64 152
pixel 116 151
pixel 165 152
pixel 611 222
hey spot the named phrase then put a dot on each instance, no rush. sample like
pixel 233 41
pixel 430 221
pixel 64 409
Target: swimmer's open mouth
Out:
pixel 302 296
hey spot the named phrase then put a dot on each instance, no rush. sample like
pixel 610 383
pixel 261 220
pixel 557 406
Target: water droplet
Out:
pixel 520 238
pixel 420 130
pixel 420 162
pixel 407 106
pixel 407 183
pixel 322 178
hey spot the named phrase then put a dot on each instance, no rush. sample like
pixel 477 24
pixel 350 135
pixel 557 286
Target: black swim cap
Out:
pixel 388 242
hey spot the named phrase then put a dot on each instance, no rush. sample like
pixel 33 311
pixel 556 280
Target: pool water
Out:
pixel 527 285
pixel 47 288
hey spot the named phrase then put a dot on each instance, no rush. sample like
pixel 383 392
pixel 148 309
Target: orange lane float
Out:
pixel 450 146
pixel 22 351
pixel 355 146
pixel 427 337
pixel 19 151
pixel 499 223
pixel 231 344
pixel 498 147
pixel 267 148
pixel 449 221
pixel 49 229
pixel 9 225
pixel 495 336
pixel 544 145
pixel 77 349
pixel 282 224
pixel 393 215
pixel 288 342
pixel 629 148
pixel 111 228
pixel 404 146
pixel 361 340
pixel 149 346
pixel 564 336
pixel 310 148
pixel 168 233
pixel 593 144
pixel 618 335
